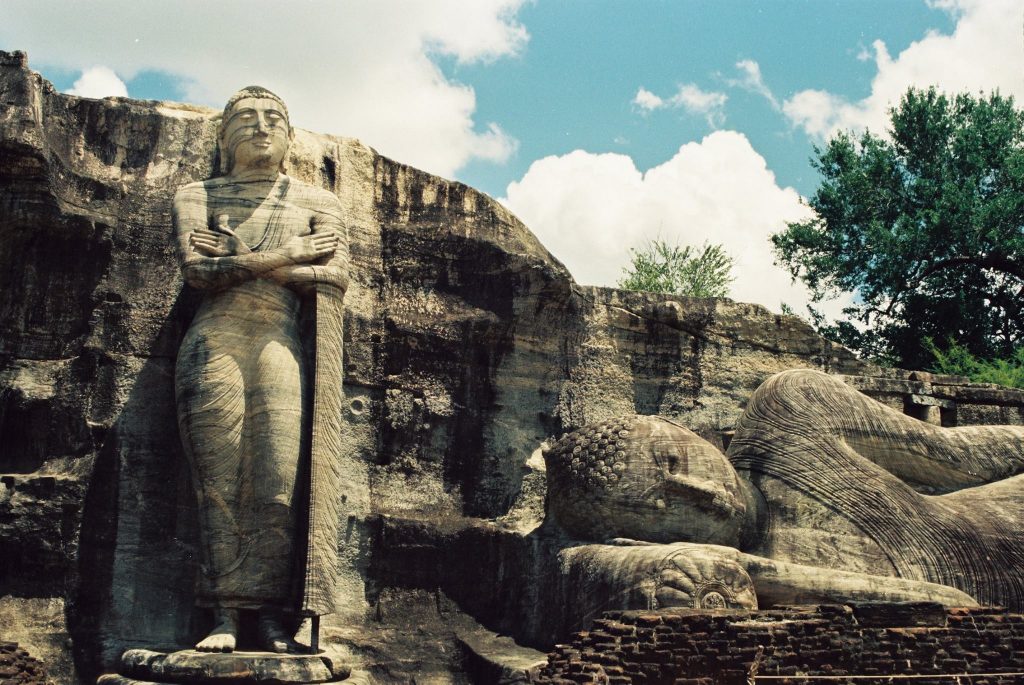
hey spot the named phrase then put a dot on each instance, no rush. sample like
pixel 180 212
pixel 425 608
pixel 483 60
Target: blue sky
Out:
pixel 601 124
pixel 573 85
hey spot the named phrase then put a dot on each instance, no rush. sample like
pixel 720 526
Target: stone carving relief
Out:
pixel 810 505
pixel 258 244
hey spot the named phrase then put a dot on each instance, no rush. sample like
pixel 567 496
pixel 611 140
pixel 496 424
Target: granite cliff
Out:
pixel 467 345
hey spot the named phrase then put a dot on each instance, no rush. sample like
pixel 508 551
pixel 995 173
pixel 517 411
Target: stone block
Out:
pixel 191 667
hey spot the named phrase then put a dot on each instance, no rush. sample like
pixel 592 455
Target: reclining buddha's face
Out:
pixel 645 478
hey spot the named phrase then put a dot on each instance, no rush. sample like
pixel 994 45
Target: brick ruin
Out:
pixel 877 643
pixel 18 667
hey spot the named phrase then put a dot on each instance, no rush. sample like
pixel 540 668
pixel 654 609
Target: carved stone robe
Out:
pixel 240 386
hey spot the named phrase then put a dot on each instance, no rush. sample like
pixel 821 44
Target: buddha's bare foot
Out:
pixel 224 635
pixel 272 635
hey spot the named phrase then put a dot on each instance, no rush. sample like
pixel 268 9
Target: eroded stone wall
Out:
pixel 943 400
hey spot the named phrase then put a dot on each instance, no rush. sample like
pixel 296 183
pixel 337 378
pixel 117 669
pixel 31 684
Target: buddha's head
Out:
pixel 254 131
pixel 645 478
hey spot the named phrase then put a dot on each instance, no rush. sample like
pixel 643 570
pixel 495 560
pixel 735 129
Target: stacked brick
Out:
pixel 887 642
pixel 18 668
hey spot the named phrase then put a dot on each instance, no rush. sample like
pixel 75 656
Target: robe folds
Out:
pixel 241 387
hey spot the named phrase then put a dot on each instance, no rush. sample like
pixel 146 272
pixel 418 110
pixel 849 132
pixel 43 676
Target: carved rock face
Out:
pixel 256 133
pixel 646 478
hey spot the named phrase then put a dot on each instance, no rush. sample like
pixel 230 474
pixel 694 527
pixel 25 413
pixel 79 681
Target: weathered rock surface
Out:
pixel 38 626
pixel 467 345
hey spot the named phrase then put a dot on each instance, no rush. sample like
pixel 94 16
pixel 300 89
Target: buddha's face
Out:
pixel 255 134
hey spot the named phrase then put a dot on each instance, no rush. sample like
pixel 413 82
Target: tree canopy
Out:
pixel 956 360
pixel 925 226
pixel 664 268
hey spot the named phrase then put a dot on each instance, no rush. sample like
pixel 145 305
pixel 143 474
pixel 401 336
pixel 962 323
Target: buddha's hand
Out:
pixel 702 577
pixel 221 242
pixel 302 249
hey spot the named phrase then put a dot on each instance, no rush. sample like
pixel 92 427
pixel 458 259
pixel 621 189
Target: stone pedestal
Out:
pixel 189 667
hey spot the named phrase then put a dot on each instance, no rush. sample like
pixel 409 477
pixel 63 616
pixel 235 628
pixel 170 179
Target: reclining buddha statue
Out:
pixel 824 495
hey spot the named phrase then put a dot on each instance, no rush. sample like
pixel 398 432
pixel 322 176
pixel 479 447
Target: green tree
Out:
pixel 957 360
pixel 661 268
pixel 925 226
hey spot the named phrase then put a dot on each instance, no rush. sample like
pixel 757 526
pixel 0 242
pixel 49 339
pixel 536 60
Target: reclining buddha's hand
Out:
pixel 702 577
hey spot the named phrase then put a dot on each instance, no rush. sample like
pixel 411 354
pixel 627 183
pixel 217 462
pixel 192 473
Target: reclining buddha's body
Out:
pixel 814 503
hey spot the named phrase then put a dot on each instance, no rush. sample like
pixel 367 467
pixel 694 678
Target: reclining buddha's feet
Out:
pixel 224 635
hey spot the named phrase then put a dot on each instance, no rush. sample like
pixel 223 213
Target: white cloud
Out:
pixel 689 97
pixel 647 101
pixel 752 80
pixel 697 101
pixel 589 209
pixel 819 113
pixel 984 52
pixel 364 69
pixel 99 82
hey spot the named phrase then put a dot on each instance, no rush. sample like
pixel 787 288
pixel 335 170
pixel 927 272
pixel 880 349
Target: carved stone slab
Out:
pixel 140 666
pixel 118 679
